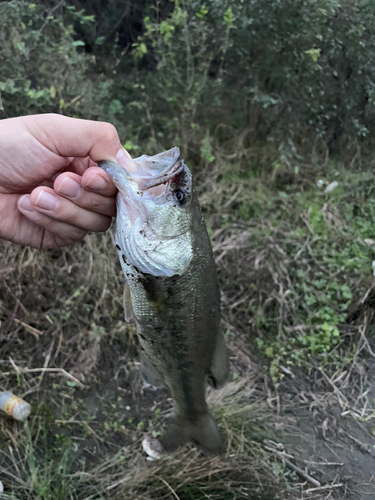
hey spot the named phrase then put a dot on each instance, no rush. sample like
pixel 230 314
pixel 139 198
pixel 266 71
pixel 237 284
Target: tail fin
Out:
pixel 203 432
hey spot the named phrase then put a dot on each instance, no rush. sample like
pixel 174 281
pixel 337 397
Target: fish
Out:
pixel 171 291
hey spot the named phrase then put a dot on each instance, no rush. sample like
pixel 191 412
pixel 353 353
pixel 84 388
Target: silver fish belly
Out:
pixel 172 291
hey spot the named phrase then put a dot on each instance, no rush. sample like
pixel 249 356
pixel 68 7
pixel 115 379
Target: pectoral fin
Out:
pixel 128 306
pixel 149 373
pixel 220 364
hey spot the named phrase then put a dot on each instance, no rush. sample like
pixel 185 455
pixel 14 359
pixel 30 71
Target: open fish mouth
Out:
pixel 154 216
pixel 152 171
pixel 156 170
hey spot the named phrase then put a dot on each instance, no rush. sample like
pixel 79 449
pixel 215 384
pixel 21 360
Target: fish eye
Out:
pixel 180 196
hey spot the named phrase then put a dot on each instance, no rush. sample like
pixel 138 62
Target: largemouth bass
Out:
pixel 171 291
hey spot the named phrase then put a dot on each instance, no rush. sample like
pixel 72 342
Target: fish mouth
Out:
pixel 145 209
pixel 155 170
pixel 152 171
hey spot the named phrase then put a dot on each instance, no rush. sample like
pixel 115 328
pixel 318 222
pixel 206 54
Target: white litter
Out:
pixel 1 487
pixel 14 406
pixel 333 185
pixel 153 448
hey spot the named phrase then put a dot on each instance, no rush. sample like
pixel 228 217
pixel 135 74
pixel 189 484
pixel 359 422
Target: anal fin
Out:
pixel 128 306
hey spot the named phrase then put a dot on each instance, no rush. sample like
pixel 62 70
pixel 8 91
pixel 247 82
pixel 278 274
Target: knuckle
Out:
pixel 70 237
pixel 100 224
pixel 106 224
pixel 99 204
pixel 95 204
pixel 109 132
pixel 70 213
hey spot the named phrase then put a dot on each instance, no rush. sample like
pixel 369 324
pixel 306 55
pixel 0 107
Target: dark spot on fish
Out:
pixel 128 264
pixel 118 247
pixel 150 286
pixel 212 381
pixel 182 181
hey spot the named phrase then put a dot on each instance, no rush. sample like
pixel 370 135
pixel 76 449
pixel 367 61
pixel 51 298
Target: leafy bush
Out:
pixel 279 66
pixel 43 66
pixel 180 73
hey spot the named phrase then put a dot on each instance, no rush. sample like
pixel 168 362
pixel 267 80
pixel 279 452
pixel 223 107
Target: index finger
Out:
pixel 73 137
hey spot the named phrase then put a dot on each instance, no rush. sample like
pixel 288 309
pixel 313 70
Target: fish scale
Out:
pixel 171 291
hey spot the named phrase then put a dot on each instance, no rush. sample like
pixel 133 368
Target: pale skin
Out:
pixel 52 191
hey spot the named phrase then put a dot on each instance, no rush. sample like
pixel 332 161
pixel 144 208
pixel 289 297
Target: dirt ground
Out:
pixel 318 441
pixel 325 437
pixel 65 348
pixel 337 446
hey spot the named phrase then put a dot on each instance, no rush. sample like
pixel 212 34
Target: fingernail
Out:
pixel 69 187
pixel 96 183
pixel 46 201
pixel 125 160
pixel 25 203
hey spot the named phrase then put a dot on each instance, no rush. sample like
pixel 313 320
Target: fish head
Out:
pixel 154 213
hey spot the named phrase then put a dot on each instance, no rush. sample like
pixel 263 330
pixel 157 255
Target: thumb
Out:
pixel 72 137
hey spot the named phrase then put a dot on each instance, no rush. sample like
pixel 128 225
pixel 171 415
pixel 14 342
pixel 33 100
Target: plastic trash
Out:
pixel 333 185
pixel 14 406
pixel 153 448
pixel 1 487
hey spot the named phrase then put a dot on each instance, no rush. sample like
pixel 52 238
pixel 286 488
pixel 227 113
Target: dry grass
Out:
pixel 65 347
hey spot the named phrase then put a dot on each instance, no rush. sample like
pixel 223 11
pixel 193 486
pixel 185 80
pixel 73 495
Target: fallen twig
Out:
pixel 29 328
pixel 298 470
pixel 325 487
pixel 44 370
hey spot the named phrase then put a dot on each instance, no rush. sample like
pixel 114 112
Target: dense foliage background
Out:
pixel 169 72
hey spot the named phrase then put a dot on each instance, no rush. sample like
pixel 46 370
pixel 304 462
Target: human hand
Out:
pixel 51 190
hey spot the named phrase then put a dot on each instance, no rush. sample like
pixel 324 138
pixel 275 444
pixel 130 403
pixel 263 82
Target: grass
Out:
pixel 47 459
pixel 303 266
pixel 296 278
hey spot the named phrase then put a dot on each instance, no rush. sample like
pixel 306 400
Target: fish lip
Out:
pixel 146 182
pixel 109 165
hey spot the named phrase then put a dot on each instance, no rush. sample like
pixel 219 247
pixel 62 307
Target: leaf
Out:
pixel 228 18
pixel 314 54
pixel 100 40
pixel 202 12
